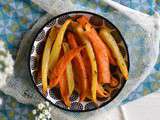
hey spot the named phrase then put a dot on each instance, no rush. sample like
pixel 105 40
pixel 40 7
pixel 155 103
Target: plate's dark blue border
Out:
pixel 29 56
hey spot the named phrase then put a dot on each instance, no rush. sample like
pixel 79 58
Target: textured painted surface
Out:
pixel 17 16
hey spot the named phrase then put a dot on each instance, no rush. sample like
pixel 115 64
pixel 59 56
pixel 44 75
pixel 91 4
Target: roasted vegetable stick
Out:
pixel 69 71
pixel 64 90
pixel 46 57
pixel 110 41
pixel 83 21
pixel 80 32
pixel 88 68
pixel 61 65
pixel 78 61
pixel 100 50
pixel 110 57
pixel 94 69
pixel 101 55
pixel 57 45
pixel 99 89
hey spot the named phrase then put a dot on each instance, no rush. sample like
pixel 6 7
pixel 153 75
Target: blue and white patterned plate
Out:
pixel 54 94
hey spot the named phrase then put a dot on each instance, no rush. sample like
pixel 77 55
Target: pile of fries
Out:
pixel 77 57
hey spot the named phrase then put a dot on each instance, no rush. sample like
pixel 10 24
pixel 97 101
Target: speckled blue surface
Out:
pixel 17 16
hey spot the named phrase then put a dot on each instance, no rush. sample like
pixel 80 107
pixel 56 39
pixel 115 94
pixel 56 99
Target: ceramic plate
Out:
pixel 54 95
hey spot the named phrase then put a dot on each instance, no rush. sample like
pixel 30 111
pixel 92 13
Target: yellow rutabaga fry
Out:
pixel 57 45
pixel 45 58
pixel 69 71
pixel 94 69
pixel 111 43
pixel 80 32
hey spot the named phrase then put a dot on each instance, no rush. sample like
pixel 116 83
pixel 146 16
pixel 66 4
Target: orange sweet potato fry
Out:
pixel 90 53
pixel 83 21
pixel 88 68
pixel 64 90
pixel 60 67
pixel 99 49
pixel 99 89
pixel 80 66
